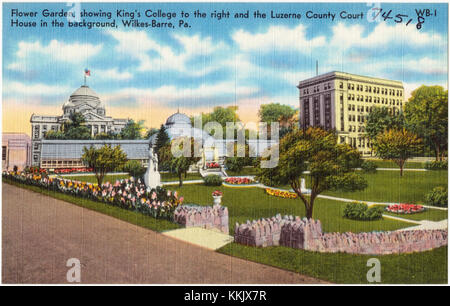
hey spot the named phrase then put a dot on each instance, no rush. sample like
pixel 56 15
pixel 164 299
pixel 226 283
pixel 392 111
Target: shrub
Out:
pixel 134 168
pixel 234 164
pixel 212 180
pixel 360 211
pixel 437 197
pixel 369 166
pixel 436 165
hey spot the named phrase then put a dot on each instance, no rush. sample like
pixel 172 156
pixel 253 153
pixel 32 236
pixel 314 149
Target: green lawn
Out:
pixel 389 186
pixel 391 164
pixel 92 179
pixel 244 171
pixel 417 268
pixel 169 177
pixel 253 203
pixel 113 211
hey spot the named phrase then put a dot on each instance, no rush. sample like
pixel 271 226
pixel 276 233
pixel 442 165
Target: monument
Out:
pixel 152 177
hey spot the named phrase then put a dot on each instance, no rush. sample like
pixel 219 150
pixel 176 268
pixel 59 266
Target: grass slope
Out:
pixel 416 268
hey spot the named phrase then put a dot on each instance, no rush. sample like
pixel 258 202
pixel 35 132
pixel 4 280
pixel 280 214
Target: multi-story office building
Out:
pixel 342 101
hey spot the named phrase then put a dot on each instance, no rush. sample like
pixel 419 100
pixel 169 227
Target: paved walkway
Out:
pixel 41 233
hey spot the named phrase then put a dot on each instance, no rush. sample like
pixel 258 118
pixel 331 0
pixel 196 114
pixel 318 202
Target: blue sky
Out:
pixel 246 62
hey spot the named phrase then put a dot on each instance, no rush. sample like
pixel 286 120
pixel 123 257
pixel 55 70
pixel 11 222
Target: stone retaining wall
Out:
pixel 208 217
pixel 307 234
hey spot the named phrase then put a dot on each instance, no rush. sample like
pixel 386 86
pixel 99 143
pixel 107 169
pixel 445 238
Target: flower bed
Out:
pixel 212 165
pixel 126 193
pixel 72 170
pixel 405 209
pixel 239 180
pixel 281 193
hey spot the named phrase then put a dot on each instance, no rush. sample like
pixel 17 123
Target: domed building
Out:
pixel 84 100
pixel 179 125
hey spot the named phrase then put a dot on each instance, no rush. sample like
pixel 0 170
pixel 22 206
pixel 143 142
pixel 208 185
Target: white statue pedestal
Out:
pixel 152 177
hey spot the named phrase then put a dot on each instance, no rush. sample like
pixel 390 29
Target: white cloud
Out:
pixel 427 65
pixel 113 74
pixel 165 94
pixel 153 55
pixel 21 89
pixel 29 52
pixel 277 38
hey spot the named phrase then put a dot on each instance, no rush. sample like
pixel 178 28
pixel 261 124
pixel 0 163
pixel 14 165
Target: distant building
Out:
pixel 85 101
pixel 56 154
pixel 16 151
pixel 341 101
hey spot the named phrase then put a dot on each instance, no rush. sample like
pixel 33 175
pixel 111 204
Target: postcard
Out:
pixel 224 143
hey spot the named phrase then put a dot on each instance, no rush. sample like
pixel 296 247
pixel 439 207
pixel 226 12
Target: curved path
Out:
pixel 41 233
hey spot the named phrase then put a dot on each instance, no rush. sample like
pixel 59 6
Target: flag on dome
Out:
pixel 87 72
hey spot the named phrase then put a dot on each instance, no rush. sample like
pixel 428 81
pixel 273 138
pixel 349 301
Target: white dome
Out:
pixel 178 119
pixel 85 95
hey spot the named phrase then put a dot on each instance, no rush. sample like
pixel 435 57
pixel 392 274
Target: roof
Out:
pixel 178 118
pixel 84 94
pixel 73 149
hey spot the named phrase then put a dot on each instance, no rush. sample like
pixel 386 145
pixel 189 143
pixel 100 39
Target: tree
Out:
pixel 180 165
pixel 162 139
pixel 74 128
pixel 222 115
pixel 397 145
pixel 331 165
pixel 132 130
pixel 427 115
pixel 106 136
pixel 134 168
pixel 55 135
pixel 379 120
pixel 276 112
pixel 103 160
pixel 150 132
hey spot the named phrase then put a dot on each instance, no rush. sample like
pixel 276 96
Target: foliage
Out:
pixel 150 132
pixel 437 197
pixel 134 168
pixel 360 211
pixel 234 164
pixel 162 139
pixel 379 120
pixel 397 145
pixel 276 112
pixel 103 160
pixel 426 114
pixel 107 136
pixel 221 115
pixel 132 130
pixel 212 180
pixel 331 165
pixel 436 165
pixel 368 166
pixel 55 135
pixel 180 165
pixel 75 128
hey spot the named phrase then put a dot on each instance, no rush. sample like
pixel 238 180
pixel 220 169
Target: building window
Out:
pixel 316 105
pixel 306 112
pixel 35 157
pixel 341 85
pixel 36 132
pixel 3 152
pixel 328 112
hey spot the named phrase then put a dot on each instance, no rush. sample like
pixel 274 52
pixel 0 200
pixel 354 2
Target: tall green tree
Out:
pixel 103 160
pixel 132 130
pixel 331 165
pixel 162 139
pixel 397 145
pixel 380 120
pixel 427 115
pixel 75 128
